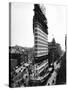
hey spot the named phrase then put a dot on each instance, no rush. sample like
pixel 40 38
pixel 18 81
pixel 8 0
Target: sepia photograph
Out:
pixel 37 44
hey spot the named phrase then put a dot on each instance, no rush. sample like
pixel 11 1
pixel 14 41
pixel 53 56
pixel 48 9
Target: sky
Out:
pixel 56 16
pixel 22 24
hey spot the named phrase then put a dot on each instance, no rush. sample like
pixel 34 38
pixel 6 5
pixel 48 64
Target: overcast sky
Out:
pixel 22 24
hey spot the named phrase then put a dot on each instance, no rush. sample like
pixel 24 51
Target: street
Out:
pixel 52 79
